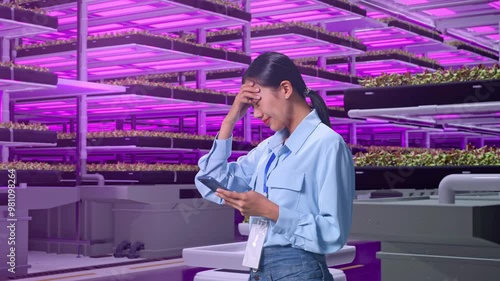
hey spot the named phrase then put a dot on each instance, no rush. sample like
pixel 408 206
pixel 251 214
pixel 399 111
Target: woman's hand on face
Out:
pixel 248 95
pixel 249 203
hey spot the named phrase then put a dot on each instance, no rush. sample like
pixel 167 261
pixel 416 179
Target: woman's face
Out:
pixel 270 108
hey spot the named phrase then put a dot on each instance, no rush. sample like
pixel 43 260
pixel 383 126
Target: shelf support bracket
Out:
pixel 201 75
pixel 353 136
pixel 247 30
pixel 202 122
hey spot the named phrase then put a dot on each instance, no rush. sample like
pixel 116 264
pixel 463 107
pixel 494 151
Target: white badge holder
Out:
pixel 255 243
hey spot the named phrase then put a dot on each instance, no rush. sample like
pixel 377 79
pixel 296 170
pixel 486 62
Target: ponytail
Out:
pixel 319 104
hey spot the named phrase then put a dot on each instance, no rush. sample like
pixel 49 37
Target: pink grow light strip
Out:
pixel 273 8
pixel 121 71
pixel 108 4
pixel 308 13
pixel 126 11
pixel 316 17
pixel 40 60
pixel 412 2
pixel 96 53
pixel 439 12
pixel 169 66
pixel 180 23
pixel 495 5
pixel 131 56
pixel 56 13
pixel 67 20
pixel 160 19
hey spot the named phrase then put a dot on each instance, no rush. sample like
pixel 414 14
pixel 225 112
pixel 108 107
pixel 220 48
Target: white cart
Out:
pixel 227 260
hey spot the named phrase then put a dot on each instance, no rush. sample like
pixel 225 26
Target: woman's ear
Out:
pixel 287 88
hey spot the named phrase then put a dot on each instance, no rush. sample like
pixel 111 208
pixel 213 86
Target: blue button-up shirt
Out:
pixel 311 180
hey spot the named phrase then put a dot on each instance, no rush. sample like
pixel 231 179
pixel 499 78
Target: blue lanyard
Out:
pixel 267 170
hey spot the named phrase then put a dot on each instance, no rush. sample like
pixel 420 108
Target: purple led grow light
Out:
pixel 179 61
pixel 482 29
pixel 286 41
pixel 376 67
pixel 376 15
pixel 273 8
pixel 180 23
pixel 124 57
pixel 389 36
pixel 67 20
pixel 186 66
pixel 125 11
pixel 413 2
pixel 63 63
pixel 102 105
pixel 303 10
pixel 41 60
pixel 373 36
pixel 113 51
pixel 458 57
pixel 440 12
pixel 134 58
pixel 156 16
pixel 163 19
pixel 105 68
pixel 107 4
pixel 447 116
pixel 111 26
pixel 495 5
pixel 116 72
pixel 298 14
pixel 398 42
pixel 56 13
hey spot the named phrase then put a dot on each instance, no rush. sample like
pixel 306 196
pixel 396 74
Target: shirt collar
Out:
pixel 299 136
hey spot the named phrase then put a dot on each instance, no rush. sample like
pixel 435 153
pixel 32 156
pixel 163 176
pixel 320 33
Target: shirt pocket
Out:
pixel 285 188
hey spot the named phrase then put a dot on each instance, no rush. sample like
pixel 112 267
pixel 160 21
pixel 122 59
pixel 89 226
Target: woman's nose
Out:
pixel 257 113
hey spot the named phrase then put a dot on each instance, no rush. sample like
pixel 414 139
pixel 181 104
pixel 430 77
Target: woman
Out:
pixel 301 178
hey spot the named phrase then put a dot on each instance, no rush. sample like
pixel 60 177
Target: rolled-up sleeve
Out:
pixel 233 175
pixel 327 231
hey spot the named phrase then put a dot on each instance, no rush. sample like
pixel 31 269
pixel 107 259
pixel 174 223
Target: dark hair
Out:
pixel 271 68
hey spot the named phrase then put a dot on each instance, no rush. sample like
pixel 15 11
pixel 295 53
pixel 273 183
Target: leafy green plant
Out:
pixel 141 133
pixel 22 66
pixel 463 74
pixel 21 126
pixel 412 26
pixel 471 47
pixel 118 167
pixel 122 34
pixel 18 6
pixel 383 157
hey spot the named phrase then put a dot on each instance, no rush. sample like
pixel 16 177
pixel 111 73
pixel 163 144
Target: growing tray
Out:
pixel 144 177
pixel 427 94
pixel 152 142
pixel 27 75
pixel 20 135
pixel 33 177
pixel 370 178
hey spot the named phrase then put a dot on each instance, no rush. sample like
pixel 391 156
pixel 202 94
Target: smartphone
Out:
pixel 211 183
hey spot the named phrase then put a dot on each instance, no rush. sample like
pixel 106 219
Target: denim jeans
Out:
pixel 290 264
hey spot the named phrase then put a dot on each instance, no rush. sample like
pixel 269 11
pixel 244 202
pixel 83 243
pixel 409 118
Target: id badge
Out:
pixel 255 243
